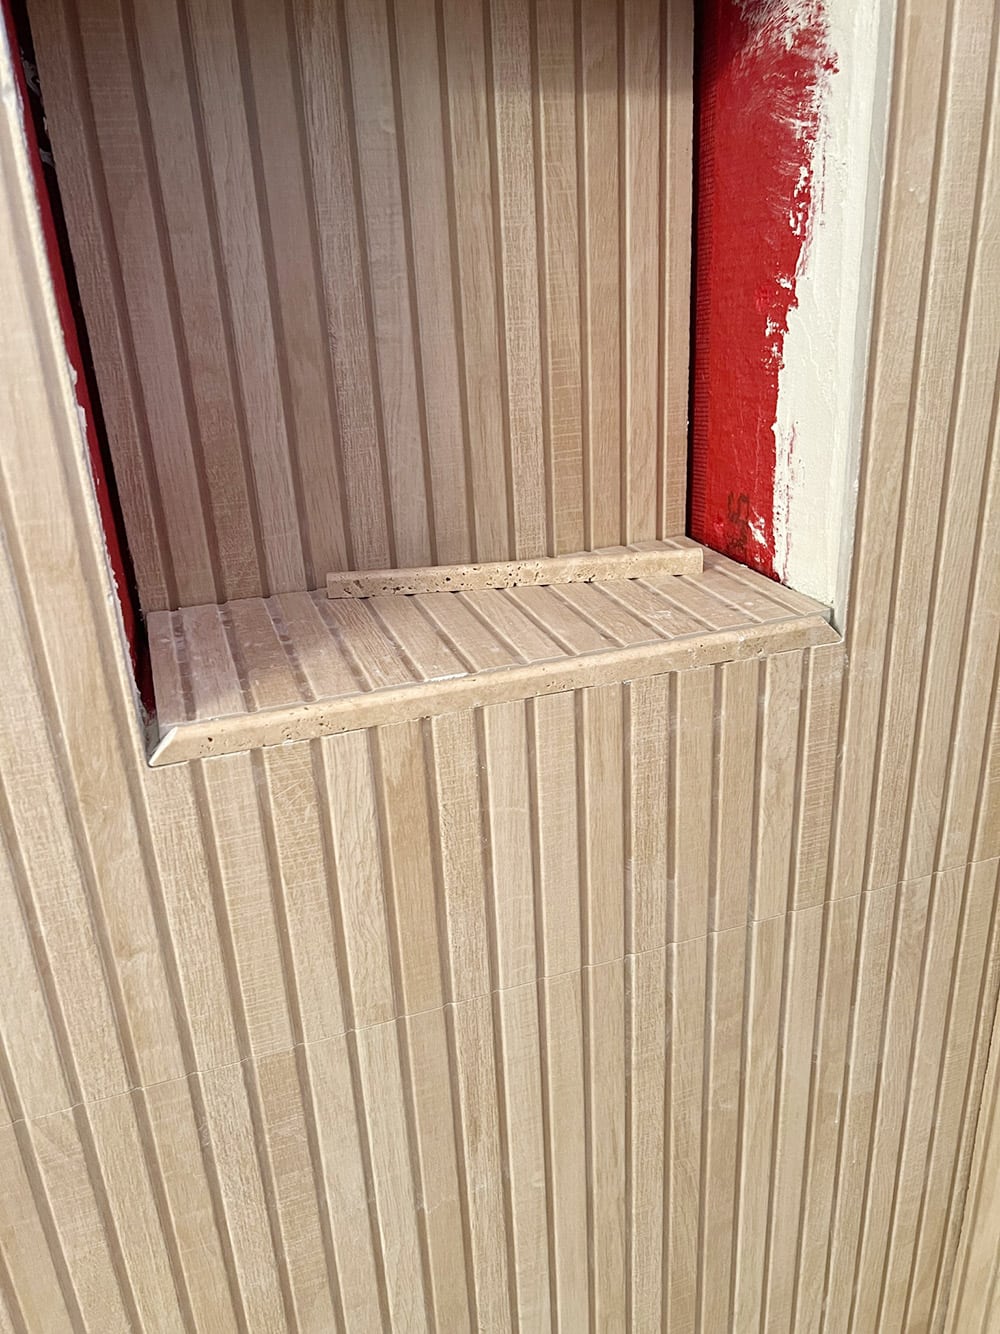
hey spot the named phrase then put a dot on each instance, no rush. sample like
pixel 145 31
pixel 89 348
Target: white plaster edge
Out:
pixel 48 334
pixel 821 383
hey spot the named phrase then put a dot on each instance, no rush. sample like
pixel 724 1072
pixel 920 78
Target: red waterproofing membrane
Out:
pixel 762 66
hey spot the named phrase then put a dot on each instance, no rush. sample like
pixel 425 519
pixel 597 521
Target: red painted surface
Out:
pixel 114 539
pixel 762 67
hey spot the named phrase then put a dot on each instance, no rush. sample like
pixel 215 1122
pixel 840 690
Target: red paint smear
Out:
pixel 762 67
pixel 67 319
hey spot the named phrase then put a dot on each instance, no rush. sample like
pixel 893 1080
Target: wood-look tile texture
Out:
pixel 920 784
pixel 975 1293
pixel 664 1003
pixel 378 284
pixel 266 671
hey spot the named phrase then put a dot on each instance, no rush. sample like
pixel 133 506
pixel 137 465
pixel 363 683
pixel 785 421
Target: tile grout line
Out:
pixel 453 1005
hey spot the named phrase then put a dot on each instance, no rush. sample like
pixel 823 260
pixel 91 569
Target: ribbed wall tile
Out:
pixel 975 1297
pixel 378 284
pixel 709 1122
pixel 559 1010
pixel 922 626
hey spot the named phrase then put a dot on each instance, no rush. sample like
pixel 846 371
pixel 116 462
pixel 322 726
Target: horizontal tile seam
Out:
pixel 312 1044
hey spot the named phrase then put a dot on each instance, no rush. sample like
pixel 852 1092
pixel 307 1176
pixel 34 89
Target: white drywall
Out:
pixel 821 381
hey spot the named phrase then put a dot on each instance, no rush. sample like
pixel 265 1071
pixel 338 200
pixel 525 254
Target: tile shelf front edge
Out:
pixel 265 672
